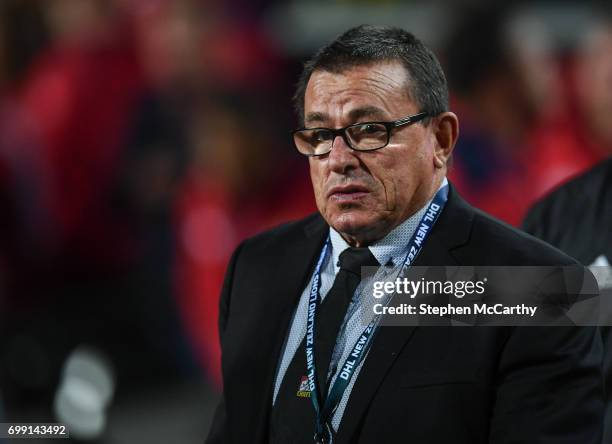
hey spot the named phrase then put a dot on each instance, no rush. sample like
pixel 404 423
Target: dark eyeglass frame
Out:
pixel 342 132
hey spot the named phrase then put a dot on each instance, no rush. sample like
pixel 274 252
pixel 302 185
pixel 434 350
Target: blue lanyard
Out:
pixel 324 409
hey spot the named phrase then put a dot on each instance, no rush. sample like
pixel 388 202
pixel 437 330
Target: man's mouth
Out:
pixel 347 193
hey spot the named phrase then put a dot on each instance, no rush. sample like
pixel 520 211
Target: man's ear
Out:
pixel 446 131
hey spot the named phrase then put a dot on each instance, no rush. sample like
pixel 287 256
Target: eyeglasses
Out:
pixel 363 136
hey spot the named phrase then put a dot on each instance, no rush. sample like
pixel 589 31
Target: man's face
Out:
pixel 364 195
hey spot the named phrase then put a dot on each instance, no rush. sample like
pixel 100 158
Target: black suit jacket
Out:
pixel 577 218
pixel 465 385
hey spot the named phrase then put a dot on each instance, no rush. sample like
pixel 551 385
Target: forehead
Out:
pixel 379 86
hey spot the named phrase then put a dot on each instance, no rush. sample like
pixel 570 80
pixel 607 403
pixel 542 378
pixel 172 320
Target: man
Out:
pixel 577 219
pixel 378 136
pixel 577 216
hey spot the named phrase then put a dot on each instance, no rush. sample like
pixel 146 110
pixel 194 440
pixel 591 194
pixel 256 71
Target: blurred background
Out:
pixel 142 140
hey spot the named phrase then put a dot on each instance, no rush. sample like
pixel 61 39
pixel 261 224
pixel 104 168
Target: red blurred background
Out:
pixel 141 141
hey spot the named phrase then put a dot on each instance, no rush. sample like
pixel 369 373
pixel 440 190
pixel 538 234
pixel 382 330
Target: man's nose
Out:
pixel 341 156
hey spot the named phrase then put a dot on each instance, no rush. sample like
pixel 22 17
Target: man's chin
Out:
pixel 352 223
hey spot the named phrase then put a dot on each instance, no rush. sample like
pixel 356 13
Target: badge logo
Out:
pixel 303 389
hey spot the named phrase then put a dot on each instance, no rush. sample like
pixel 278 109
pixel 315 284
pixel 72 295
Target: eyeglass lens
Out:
pixel 317 141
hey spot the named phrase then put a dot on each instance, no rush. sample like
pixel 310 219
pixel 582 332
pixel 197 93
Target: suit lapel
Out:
pixel 292 274
pixel 451 230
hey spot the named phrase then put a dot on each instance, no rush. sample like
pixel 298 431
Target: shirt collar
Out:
pixel 391 248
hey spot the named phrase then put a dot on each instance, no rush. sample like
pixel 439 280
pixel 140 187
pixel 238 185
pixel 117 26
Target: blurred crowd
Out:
pixel 142 140
pixel 532 113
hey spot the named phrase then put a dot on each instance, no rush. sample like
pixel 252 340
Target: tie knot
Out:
pixel 352 259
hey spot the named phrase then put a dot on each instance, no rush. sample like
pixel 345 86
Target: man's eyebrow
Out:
pixel 371 112
pixel 315 117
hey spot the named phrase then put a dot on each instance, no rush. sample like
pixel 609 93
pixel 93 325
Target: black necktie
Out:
pixel 331 314
pixel 292 419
